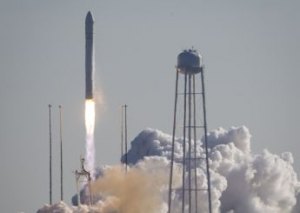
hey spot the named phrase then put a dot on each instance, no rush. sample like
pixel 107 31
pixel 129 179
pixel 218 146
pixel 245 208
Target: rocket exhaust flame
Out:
pixel 90 126
pixel 90 116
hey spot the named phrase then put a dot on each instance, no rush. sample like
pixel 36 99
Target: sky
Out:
pixel 250 50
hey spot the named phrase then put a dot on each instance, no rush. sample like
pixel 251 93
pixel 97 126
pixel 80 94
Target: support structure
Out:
pixel 61 154
pixel 194 126
pixel 122 131
pixel 124 143
pixel 85 174
pixel 50 155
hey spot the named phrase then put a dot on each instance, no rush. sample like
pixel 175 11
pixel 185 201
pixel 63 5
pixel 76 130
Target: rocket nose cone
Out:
pixel 89 18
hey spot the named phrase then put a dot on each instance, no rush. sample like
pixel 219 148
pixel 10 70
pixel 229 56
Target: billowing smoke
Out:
pixel 138 190
pixel 242 182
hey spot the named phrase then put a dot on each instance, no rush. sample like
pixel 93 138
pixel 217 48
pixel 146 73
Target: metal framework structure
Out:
pixel 50 155
pixel 85 174
pixel 194 125
pixel 124 143
pixel 61 154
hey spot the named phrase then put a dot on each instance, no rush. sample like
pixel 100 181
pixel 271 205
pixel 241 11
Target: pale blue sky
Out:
pixel 251 52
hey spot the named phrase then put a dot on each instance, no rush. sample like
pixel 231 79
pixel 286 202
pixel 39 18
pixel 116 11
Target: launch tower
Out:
pixel 192 117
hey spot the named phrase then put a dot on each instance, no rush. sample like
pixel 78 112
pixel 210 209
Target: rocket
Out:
pixel 89 55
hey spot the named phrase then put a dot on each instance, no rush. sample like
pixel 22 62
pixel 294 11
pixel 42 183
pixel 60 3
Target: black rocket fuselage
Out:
pixel 89 56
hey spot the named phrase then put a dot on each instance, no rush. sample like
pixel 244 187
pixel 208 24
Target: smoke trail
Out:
pixel 90 126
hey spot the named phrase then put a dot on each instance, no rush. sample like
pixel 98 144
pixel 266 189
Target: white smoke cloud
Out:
pixel 242 182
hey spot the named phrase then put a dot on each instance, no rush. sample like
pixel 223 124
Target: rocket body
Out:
pixel 89 56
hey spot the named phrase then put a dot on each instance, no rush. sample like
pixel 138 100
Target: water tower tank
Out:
pixel 189 61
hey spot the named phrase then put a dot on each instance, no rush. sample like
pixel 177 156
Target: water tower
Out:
pixel 190 124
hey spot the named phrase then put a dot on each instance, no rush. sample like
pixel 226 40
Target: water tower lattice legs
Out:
pixel 193 121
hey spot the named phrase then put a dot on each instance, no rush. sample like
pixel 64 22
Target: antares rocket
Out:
pixel 89 56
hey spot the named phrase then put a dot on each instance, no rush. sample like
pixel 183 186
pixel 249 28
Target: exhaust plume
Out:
pixel 242 181
pixel 90 126
pixel 128 192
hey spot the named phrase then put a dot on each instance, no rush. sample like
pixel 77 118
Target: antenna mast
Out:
pixel 61 153
pixel 124 133
pixel 50 156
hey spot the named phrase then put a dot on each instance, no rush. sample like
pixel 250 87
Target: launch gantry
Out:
pixel 85 174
